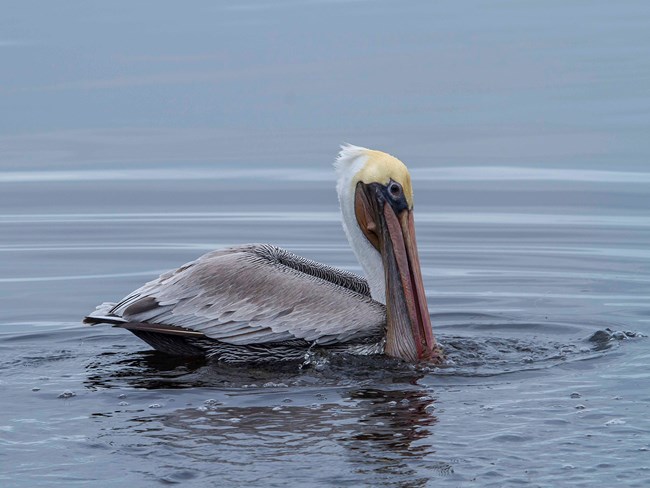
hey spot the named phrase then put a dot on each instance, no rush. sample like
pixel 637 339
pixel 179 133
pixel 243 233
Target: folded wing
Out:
pixel 255 294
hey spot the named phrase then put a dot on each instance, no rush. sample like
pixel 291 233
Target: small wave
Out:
pixel 475 357
pixel 477 218
pixel 460 173
pixel 81 277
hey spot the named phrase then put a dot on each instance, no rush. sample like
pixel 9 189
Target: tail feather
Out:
pixel 102 315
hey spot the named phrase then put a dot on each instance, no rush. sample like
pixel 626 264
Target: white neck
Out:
pixel 350 162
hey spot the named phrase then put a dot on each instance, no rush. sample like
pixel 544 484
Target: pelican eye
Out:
pixel 395 189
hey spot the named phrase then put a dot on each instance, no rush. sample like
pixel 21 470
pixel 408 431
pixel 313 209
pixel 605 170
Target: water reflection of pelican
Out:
pixel 258 302
pixel 371 436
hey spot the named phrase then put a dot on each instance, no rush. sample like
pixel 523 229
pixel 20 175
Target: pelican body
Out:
pixel 257 302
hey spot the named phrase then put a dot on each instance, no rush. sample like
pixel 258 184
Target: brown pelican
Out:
pixel 257 302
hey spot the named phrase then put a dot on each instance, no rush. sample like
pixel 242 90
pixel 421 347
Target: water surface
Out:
pixel 137 137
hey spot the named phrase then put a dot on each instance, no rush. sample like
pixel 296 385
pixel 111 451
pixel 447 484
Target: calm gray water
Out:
pixel 136 136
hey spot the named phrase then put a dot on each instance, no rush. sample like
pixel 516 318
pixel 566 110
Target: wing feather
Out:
pixel 258 294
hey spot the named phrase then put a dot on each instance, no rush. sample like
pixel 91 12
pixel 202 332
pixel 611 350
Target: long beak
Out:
pixel 409 335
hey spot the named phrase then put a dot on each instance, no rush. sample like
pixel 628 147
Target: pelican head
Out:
pixel 376 198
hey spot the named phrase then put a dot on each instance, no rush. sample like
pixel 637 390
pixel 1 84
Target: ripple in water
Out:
pixel 482 356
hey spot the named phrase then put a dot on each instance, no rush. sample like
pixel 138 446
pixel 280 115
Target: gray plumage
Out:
pixel 252 302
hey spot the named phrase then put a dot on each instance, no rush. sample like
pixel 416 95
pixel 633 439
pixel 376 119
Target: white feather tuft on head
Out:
pixel 349 162
pixel 347 156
